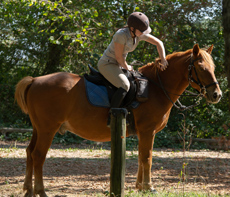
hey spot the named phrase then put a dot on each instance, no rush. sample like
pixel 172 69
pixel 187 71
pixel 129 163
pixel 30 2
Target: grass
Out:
pixel 18 192
pixel 133 193
pixel 173 194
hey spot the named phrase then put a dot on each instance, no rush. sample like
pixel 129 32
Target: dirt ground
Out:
pixel 84 170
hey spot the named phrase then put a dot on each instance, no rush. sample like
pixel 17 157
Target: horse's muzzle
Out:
pixel 214 96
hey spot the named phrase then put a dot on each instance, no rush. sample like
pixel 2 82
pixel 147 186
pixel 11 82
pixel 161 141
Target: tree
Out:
pixel 41 37
pixel 226 26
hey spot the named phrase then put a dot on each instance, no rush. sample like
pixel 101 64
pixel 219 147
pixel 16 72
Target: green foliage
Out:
pixel 206 119
pixel 40 37
pixel 68 138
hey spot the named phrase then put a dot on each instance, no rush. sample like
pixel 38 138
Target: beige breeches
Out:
pixel 113 73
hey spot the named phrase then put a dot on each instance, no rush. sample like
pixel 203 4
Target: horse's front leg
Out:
pixel 145 161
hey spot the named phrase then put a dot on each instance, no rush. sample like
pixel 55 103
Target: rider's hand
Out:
pixel 163 64
pixel 130 68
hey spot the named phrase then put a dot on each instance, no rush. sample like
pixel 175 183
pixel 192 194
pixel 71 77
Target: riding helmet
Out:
pixel 139 21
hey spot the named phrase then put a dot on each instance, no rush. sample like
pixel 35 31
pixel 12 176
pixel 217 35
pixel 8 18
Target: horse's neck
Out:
pixel 174 79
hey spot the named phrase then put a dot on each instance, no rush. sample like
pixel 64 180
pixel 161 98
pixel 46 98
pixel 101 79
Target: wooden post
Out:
pixel 118 149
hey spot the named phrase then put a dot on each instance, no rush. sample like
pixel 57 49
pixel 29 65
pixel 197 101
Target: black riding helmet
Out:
pixel 139 21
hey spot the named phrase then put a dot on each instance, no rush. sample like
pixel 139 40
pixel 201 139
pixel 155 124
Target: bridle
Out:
pixel 198 82
pixel 190 79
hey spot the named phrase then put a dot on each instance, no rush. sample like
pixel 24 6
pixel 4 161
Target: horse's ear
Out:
pixel 209 50
pixel 196 50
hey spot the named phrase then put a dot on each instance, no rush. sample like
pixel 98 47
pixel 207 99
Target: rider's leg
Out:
pixel 115 76
pixel 118 97
pixel 113 73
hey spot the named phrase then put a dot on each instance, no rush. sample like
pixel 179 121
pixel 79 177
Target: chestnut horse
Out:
pixel 60 99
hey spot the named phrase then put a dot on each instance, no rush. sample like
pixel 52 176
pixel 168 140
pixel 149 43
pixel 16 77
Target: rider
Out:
pixel 126 40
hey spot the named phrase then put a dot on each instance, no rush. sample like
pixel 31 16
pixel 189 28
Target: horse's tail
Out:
pixel 21 92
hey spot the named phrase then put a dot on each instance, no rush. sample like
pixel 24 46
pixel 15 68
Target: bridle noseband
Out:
pixel 198 82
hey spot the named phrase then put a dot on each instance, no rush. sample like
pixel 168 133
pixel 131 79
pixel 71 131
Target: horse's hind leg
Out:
pixel 44 140
pixel 29 165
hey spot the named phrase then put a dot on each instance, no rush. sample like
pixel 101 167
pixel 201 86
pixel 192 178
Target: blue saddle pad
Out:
pixel 97 94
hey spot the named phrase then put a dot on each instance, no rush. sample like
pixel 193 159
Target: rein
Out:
pixel 180 106
pixel 190 79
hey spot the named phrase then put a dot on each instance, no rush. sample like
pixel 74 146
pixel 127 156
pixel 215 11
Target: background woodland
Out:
pixel 42 37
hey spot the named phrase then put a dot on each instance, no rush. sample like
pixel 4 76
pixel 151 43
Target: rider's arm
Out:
pixel 160 48
pixel 119 49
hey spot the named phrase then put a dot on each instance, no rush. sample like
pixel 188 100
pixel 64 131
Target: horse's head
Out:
pixel 201 74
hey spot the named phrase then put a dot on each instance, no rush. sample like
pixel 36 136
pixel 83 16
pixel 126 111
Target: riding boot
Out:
pixel 116 101
pixel 118 97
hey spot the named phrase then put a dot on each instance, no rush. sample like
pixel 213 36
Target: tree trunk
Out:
pixel 53 62
pixel 226 26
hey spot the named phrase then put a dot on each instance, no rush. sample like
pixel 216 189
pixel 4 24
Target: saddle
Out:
pixel 138 91
pixel 100 92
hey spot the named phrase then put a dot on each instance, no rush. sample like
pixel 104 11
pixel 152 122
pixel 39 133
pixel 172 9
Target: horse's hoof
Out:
pixel 146 188
pixel 138 186
pixel 28 194
pixel 29 191
pixel 41 193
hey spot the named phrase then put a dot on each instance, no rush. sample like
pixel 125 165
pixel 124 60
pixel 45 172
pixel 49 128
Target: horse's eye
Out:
pixel 202 68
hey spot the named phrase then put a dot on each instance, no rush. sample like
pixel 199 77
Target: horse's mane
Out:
pixel 152 67
pixel 207 58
